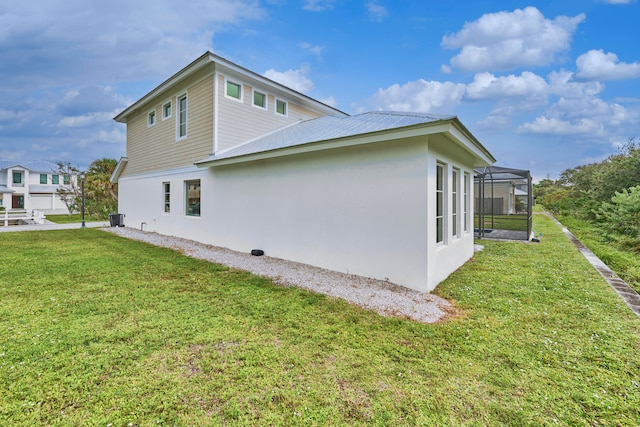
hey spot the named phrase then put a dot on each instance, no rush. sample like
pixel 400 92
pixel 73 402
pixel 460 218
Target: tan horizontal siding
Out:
pixel 240 122
pixel 155 148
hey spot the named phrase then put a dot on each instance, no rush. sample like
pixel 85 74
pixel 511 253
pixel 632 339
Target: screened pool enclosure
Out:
pixel 503 203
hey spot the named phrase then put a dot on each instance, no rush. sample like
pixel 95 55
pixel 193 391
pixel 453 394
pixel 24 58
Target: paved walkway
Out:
pixel 51 226
pixel 626 292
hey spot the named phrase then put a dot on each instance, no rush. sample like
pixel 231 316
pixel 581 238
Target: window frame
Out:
pixel 179 113
pixel 440 203
pixel 265 99
pixel 164 106
pixel 20 181
pixel 46 178
pixel 187 183
pixel 286 107
pixel 466 202
pixel 166 196
pixel 55 179
pixel 228 82
pixel 66 179
pixel 151 118
pixel 455 202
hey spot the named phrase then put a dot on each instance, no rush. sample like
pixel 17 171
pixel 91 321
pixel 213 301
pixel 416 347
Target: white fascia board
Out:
pixel 388 135
pixel 466 139
pixel 118 170
pixel 162 173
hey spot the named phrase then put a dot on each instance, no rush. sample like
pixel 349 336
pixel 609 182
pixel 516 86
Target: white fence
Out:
pixel 18 217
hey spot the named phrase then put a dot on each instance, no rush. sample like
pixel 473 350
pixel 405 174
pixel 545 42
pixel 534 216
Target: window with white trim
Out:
pixel 181 117
pixel 467 180
pixel 166 110
pixel 281 107
pixel 259 99
pixel 234 90
pixel 43 178
pixel 55 179
pixel 17 178
pixel 439 203
pixel 455 174
pixel 193 197
pixel 166 188
pixel 151 118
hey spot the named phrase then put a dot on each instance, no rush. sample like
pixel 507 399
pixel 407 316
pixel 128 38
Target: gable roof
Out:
pixel 224 66
pixel 315 134
pixel 34 166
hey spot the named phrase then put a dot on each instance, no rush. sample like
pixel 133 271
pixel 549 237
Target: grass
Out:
pixel 624 261
pixel 517 222
pixel 98 330
pixel 73 218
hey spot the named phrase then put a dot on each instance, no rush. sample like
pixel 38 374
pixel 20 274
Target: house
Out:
pixel 32 186
pixel 222 155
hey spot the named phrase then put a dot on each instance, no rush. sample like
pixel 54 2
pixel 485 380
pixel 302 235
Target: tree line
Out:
pixel 100 194
pixel 606 193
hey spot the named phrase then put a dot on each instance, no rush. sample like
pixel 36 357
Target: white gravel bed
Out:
pixel 383 297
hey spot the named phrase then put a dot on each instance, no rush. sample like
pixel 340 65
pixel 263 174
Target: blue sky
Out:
pixel 544 85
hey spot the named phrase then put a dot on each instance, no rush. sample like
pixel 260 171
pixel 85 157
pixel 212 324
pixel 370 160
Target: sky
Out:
pixel 544 85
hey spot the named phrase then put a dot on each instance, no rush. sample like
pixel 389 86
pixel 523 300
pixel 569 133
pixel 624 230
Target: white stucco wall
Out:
pixel 366 210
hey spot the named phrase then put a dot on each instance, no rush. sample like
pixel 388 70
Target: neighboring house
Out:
pixel 31 186
pixel 222 155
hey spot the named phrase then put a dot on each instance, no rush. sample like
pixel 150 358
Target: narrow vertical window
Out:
pixel 466 202
pixel 193 197
pixel 454 201
pixel 281 107
pixel 66 179
pixel 182 116
pixel 55 179
pixel 166 186
pixel 439 203
pixel 17 177
pixel 43 178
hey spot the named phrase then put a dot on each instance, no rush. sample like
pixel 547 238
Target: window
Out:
pixel 259 99
pixel 281 107
pixel 166 110
pixel 167 196
pixel 193 198
pixel 234 90
pixel 455 173
pixel 439 203
pixel 43 178
pixel 151 118
pixel 55 179
pixel 182 117
pixel 66 179
pixel 466 202
pixel 17 178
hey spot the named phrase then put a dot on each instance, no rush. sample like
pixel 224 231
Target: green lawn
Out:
pixel 98 330
pixel 71 218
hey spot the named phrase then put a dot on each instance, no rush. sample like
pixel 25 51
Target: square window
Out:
pixel 152 118
pixel 166 110
pixel 55 179
pixel 17 177
pixel 43 178
pixel 281 107
pixel 259 99
pixel 193 197
pixel 234 90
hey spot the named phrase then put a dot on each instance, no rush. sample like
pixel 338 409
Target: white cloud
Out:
pixel 330 101
pixel 487 86
pixel 558 126
pixel 508 40
pixel 294 79
pixel 318 5
pixel 376 11
pixel 420 96
pixel 316 50
pixel 561 83
pixel 596 65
